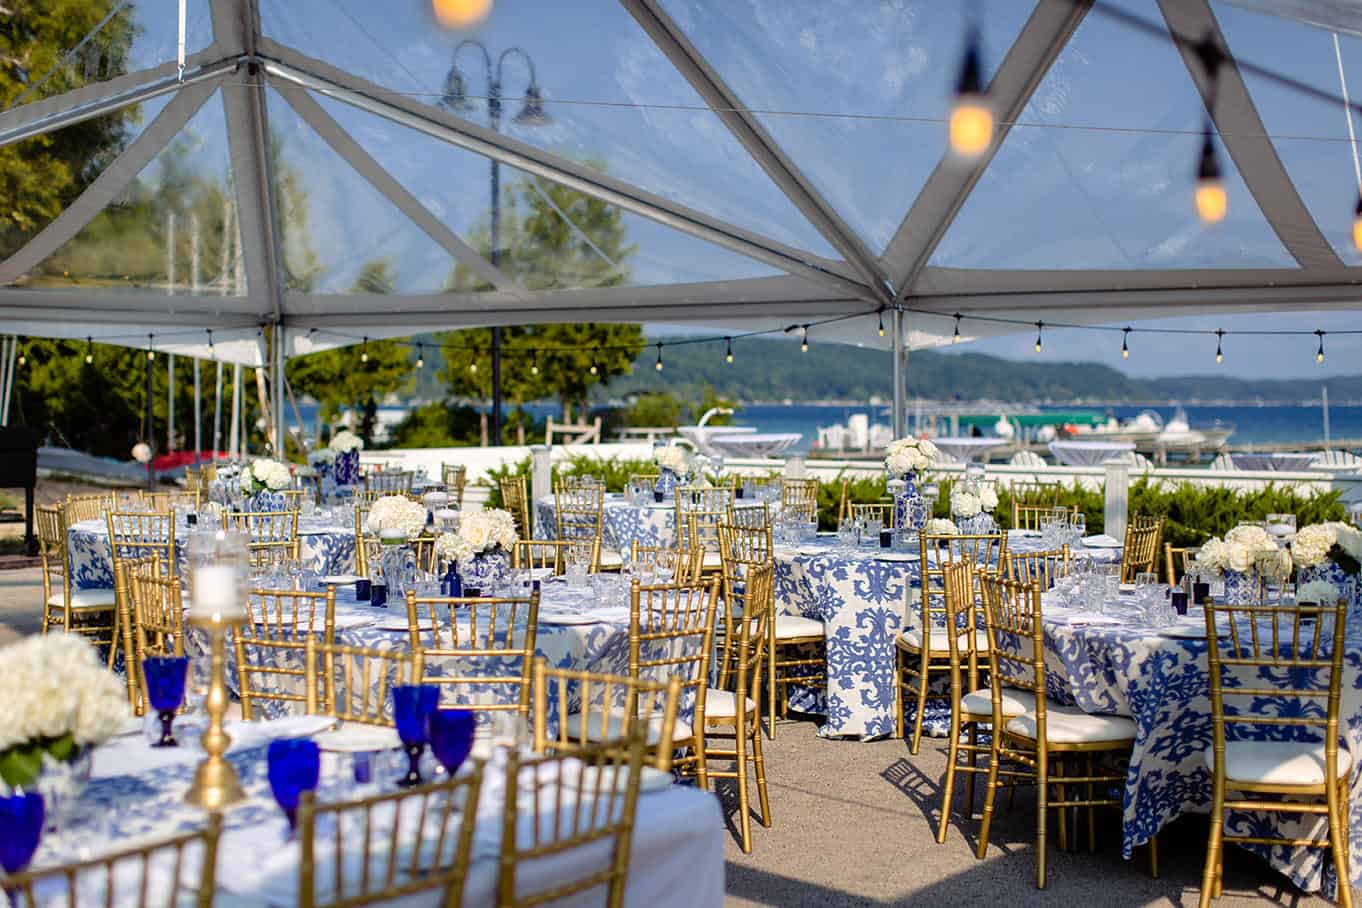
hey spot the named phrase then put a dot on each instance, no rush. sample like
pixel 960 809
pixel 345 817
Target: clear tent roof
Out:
pixel 743 165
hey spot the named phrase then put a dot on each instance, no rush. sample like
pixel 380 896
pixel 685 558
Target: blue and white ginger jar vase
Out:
pixel 910 508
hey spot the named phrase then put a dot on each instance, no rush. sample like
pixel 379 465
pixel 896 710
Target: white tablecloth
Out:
pixel 1088 453
pixel 967 449
pixel 1280 461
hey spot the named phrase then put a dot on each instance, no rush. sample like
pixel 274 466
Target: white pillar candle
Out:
pixel 216 593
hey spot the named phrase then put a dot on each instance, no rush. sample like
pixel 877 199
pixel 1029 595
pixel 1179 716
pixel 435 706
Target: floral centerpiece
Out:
pixel 674 463
pixel 263 482
pixel 940 526
pixel 347 446
pixel 481 547
pixel 396 520
pixel 1318 592
pixel 968 509
pixel 988 498
pixel 905 458
pixel 1238 558
pixel 1329 554
pixel 61 702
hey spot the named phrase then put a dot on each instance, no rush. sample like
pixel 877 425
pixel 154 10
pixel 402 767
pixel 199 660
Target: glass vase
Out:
pixel 398 564
pixel 910 508
pixel 1242 587
pixel 666 483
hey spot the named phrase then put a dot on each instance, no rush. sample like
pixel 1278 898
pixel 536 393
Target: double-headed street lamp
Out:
pixel 531 113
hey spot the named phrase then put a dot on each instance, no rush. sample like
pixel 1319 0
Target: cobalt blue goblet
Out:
pixel 21 827
pixel 412 708
pixel 451 736
pixel 294 766
pixel 165 678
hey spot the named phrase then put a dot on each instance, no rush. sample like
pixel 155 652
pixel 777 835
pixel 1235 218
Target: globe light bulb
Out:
pixel 1211 202
pixel 473 367
pixel 534 369
pixel 971 126
pixel 1357 224
pixel 594 370
pixel 460 13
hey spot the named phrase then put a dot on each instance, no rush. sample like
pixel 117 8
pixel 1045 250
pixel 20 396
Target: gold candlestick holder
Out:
pixel 216 785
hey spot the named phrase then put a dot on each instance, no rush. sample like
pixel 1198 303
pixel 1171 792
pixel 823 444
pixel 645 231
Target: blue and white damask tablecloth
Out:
pixel 621 522
pixel 137 794
pixel 1160 679
pixel 863 601
pixel 324 546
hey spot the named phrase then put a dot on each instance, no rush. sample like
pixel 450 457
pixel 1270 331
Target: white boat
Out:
pixel 1150 434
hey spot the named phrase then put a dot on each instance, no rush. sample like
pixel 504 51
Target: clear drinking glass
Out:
pixel 846 534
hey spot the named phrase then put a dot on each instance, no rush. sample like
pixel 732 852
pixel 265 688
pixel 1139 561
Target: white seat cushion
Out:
pixel 610 559
pixel 790 626
pixel 1015 702
pixel 84 599
pixel 1070 725
pixel 913 637
pixel 719 704
pixel 1277 762
pixel 712 561
pixel 614 728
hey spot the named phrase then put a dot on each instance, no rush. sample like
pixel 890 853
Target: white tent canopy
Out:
pixel 766 163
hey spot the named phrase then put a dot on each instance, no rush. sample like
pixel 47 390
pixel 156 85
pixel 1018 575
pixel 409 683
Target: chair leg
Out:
pixel 701 766
pixel 1042 809
pixel 990 793
pixel 771 685
pixel 1092 823
pixel 760 762
pixel 948 787
pixel 1210 875
pixel 898 693
pixel 973 765
pixel 1338 821
pixel 1063 812
pixel 921 707
pixel 744 819
pixel 1154 856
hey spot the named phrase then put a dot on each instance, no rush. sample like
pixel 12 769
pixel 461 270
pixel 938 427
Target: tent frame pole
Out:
pixel 900 359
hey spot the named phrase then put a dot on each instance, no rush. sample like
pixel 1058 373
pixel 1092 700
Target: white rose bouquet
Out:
pixel 909 455
pixel 988 497
pixel 60 701
pixel 1214 556
pixel 940 526
pixel 345 441
pixel 964 503
pixel 479 532
pixel 674 458
pixel 1320 543
pixel 394 515
pixel 265 475
pixel 1242 549
pixel 1320 592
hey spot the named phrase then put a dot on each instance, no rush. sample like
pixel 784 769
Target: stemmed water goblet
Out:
pixel 21 828
pixel 451 736
pixel 165 677
pixel 294 767
pixel 413 705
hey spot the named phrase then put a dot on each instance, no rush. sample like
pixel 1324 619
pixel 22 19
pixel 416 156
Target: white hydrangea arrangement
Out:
pixel 909 455
pixel 940 526
pixel 395 515
pixel 265 474
pixel 1319 543
pixel 346 441
pixel 1241 550
pixel 60 701
pixel 479 532
pixel 1320 592
pixel 964 503
pixel 674 458
pixel 323 455
pixel 988 497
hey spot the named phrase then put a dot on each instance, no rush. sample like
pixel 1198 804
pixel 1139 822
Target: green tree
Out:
pixel 551 237
pixel 340 379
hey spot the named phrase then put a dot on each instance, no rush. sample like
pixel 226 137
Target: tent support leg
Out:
pixel 900 359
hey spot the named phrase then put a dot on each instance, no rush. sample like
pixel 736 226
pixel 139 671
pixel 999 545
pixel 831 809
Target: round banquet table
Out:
pixel 1278 461
pixel 136 794
pixel 1088 453
pixel 621 522
pixel 860 598
pixel 1159 678
pixel 967 448
pixel 324 546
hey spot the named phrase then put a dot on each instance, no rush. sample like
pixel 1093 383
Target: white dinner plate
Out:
pixel 566 618
pixel 814 550
pixel 1101 541
pixel 393 623
pixel 341 579
pixel 354 737
pixel 896 556
pixel 1126 587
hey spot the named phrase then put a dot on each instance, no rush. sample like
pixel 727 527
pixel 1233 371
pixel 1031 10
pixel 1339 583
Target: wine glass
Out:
pixel 21 827
pixel 412 708
pixel 165 677
pixel 294 767
pixel 451 736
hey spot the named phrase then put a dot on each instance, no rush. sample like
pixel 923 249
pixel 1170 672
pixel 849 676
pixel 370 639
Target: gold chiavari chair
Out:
pixel 800 496
pixel 1141 552
pixel 455 477
pixel 1176 560
pixel 578 508
pixel 353 683
pixel 1061 746
pixel 89 507
pixel 1042 568
pixel 366 497
pixel 134 535
pixel 272 536
pixel 698 515
pixel 431 854
pixel 91 613
pixel 752 593
pixel 540 554
pixel 389 482
pixel 156 617
pixel 844 501
pixel 605 776
pixel 753 515
pixel 881 511
pixel 671 635
pixel 650 478
pixel 1276 674
pixel 515 497
pixel 156 873
pixel 472 642
pixel 168 501
pixel 293 498
pixel 1043 494
pixel 923 650
pixel 687 565
pixel 971 706
pixel 609 708
pixel 271 646
pixel 1030 516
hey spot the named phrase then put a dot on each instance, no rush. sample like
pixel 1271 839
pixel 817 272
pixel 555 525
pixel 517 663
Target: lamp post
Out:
pixel 456 98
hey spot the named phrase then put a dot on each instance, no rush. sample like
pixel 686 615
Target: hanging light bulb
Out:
pixel 594 369
pixel 658 364
pixel 460 14
pixel 1319 354
pixel 1357 224
pixel 364 351
pixel 212 351
pixel 728 355
pixel 473 363
pixel 420 357
pixel 1125 345
pixel 1219 353
pixel 881 321
pixel 971 128
pixel 955 338
pixel 1040 326
pixel 151 344
pixel 23 359
pixel 534 365
pixel 1211 202
pixel 89 351
pixel 804 344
